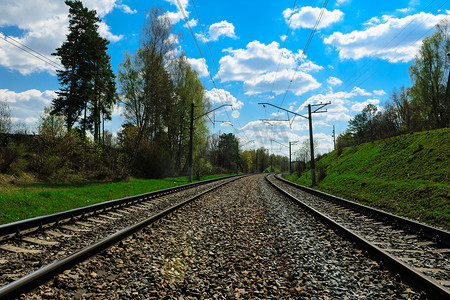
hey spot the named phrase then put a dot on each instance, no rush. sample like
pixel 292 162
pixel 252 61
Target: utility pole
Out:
pixel 191 135
pixel 311 142
pixel 334 138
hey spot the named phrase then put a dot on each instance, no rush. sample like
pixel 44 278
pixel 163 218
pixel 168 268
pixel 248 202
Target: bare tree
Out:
pixel 142 76
pixel 5 117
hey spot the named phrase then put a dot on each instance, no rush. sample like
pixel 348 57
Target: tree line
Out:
pixel 155 87
pixel 423 106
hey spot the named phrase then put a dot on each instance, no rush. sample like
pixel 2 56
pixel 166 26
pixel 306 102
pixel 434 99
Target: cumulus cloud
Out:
pixel 262 133
pixel 306 17
pixel 222 28
pixel 176 16
pixel 372 41
pixel 220 97
pixel 334 81
pixel 44 27
pixel 28 105
pixel 343 104
pixel 192 23
pixel 217 30
pixel 105 31
pixel 126 9
pixel 379 92
pixel 255 66
pixel 360 105
pixel 199 65
pixel 301 83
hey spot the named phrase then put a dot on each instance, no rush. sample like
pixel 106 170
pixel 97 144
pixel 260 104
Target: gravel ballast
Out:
pixel 243 241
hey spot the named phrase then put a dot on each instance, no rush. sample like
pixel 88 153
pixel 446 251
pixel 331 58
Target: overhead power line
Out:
pixel 30 51
pixel 284 47
pixel 319 17
pixel 204 61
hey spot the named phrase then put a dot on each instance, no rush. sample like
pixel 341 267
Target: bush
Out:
pixel 202 167
pixel 11 158
pixel 322 171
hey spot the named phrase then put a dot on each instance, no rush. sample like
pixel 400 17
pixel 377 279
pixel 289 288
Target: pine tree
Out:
pixel 87 81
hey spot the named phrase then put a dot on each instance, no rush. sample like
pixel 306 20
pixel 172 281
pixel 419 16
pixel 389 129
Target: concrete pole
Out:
pixel 311 143
pixel 290 158
pixel 191 136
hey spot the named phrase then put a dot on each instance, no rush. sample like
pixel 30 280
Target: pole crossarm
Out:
pixel 280 143
pixel 273 120
pixel 288 111
pixel 321 105
pixel 198 117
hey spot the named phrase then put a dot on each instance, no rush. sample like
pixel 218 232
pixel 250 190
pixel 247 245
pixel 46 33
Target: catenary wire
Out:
pixel 306 48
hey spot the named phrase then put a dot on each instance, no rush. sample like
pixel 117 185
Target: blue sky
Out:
pixel 360 52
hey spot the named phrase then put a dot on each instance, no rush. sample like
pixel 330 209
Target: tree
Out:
pixel 362 124
pixel 5 117
pixel 429 75
pixel 51 125
pixel 188 89
pixel 227 150
pixel 87 81
pixel 143 79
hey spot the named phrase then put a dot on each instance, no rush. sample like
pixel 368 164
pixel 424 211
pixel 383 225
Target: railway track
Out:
pixel 239 239
pixel 244 240
pixel 46 245
pixel 416 253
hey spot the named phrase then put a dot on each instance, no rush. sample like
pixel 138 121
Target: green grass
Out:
pixel 408 175
pixel 26 200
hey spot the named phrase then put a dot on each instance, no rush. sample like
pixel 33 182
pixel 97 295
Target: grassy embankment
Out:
pixel 24 200
pixel 408 175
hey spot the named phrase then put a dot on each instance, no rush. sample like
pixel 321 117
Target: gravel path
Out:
pixel 244 241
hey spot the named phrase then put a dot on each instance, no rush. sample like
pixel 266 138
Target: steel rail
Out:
pixel 16 228
pixel 431 288
pixel 41 276
pixel 437 235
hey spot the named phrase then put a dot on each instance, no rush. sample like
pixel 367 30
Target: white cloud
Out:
pixel 306 17
pixel 341 2
pixel 372 21
pixel 126 9
pixel 262 133
pixel 28 105
pixel 405 10
pixel 361 92
pixel 255 66
pixel 372 41
pixel 198 64
pixel 361 105
pixel 334 81
pixel 343 104
pixel 105 31
pixel 44 26
pixel 379 92
pixel 301 83
pixel 192 23
pixel 283 37
pixel 220 97
pixel 216 31
pixel 118 110
pixel 175 17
